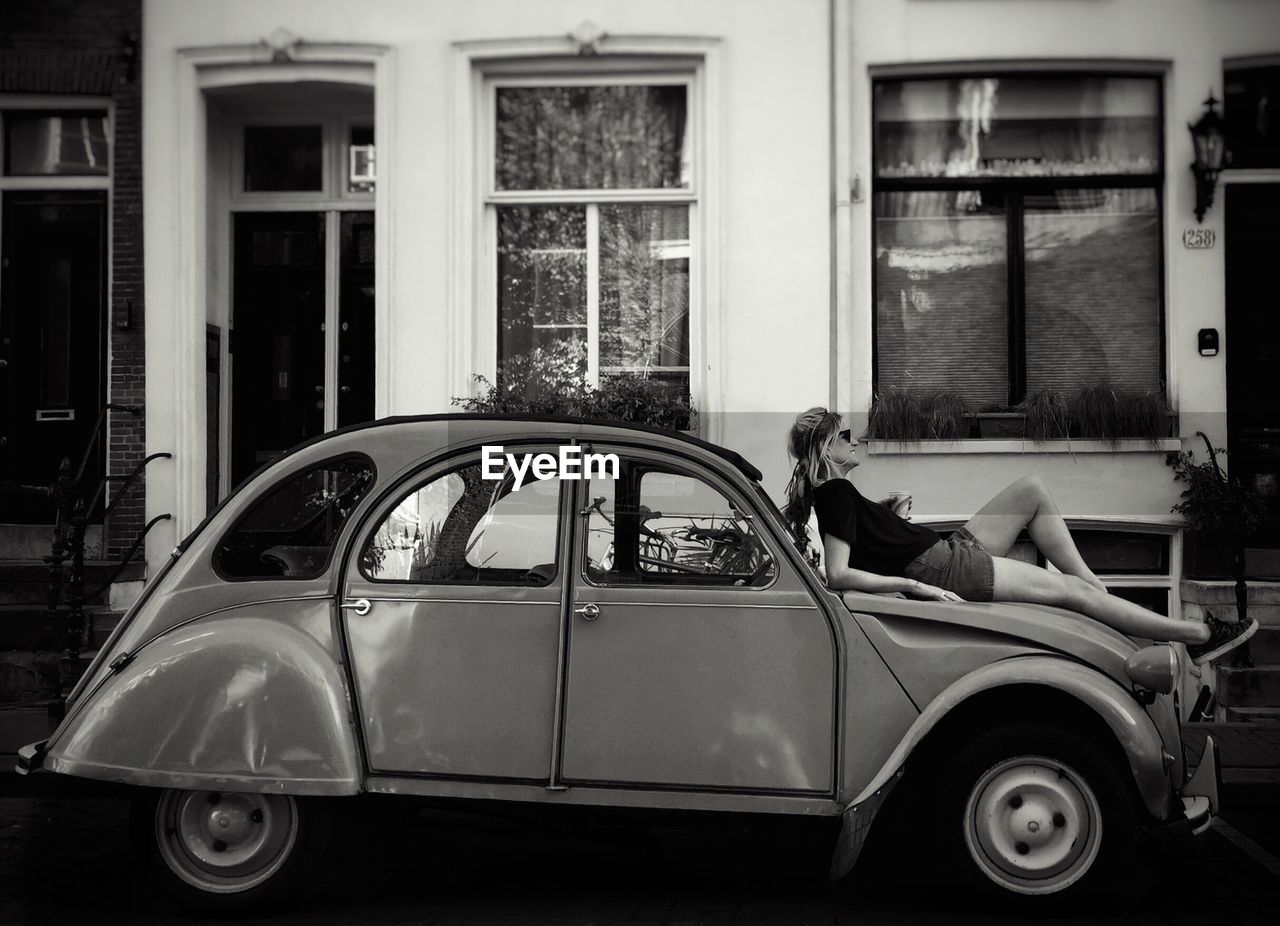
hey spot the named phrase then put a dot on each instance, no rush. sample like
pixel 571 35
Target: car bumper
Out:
pixel 1200 793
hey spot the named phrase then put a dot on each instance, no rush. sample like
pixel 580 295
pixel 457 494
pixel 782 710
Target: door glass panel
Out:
pixel 463 528
pixel 355 319
pixel 655 526
pixel 283 158
pixel 278 336
pixel 61 144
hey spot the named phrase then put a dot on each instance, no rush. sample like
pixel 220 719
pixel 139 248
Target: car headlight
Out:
pixel 1154 668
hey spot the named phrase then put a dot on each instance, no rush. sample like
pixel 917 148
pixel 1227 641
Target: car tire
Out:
pixel 1034 811
pixel 229 853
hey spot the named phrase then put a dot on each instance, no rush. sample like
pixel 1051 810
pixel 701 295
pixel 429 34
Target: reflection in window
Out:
pixel 644 291
pixel 1252 112
pixel 1017 126
pixel 1092 289
pixel 542 292
pixel 598 289
pixel 283 158
pixel 942 294
pixel 461 527
pixel 1017 286
pixel 56 144
pixel 653 526
pixel 290 530
pixel 591 138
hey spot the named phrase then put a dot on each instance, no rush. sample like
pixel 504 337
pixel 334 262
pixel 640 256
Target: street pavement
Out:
pixel 64 858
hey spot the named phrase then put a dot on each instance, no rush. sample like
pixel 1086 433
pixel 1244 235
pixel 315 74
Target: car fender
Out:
pixel 232 702
pixel 1133 729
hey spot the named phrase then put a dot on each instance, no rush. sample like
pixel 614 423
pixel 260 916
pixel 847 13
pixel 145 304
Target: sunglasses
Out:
pixel 845 435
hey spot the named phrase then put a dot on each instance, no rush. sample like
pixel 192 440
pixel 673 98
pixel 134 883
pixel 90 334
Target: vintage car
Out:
pixel 573 613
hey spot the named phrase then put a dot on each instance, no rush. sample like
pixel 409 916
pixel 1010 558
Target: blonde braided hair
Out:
pixel 808 443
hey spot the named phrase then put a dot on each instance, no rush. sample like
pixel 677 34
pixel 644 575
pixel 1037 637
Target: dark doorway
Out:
pixel 355 319
pixel 1253 344
pixel 278 337
pixel 52 285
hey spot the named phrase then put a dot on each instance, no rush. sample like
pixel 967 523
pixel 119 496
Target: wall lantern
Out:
pixel 1209 141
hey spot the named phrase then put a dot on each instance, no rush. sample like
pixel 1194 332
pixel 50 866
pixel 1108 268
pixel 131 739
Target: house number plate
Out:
pixel 1198 238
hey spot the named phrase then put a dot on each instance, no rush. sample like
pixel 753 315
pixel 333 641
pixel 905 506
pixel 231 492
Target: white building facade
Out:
pixel 352 209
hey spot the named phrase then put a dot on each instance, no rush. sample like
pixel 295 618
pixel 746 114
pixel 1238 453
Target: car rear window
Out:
pixel 289 532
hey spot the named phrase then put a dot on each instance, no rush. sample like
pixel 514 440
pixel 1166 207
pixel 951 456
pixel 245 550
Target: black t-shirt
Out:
pixel 879 541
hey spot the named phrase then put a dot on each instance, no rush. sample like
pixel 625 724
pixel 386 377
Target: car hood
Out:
pixel 1004 626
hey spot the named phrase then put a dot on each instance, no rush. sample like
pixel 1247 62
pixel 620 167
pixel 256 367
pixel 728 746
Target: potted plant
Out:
pixel 1220 512
pixel 1046 415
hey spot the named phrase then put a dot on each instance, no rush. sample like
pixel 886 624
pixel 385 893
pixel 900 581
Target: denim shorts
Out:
pixel 958 564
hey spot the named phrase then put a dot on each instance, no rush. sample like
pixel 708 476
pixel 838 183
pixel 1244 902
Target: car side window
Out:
pixel 653 525
pixel 289 532
pixel 463 528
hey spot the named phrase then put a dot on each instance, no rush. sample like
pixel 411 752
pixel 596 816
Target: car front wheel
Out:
pixel 1036 810
pixel 229 852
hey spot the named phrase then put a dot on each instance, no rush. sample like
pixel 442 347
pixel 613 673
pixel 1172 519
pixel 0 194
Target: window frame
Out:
pixel 681 70
pixel 259 495
pixel 1015 191
pixel 650 462
pixel 438 469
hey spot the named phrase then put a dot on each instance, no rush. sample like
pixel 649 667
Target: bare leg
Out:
pixel 1027 503
pixel 1017 581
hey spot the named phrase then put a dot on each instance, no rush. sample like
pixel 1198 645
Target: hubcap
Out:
pixel 225 842
pixel 1033 825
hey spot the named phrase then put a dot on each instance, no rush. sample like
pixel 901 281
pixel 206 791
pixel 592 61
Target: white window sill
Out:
pixel 901 448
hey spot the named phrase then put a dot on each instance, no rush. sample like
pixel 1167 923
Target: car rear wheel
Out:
pixel 1035 810
pixel 229 852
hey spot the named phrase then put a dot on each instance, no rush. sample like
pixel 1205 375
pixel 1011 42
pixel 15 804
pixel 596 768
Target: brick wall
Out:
pixel 89 47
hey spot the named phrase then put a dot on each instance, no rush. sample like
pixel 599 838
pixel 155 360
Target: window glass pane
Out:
pixel 48 144
pixel 282 158
pixel 542 292
pixel 1017 126
pixel 1115 553
pixel 656 527
pixel 462 527
pixel 942 294
pixel 290 531
pixel 644 291
pixel 1092 290
pixel 619 137
pixel 1252 112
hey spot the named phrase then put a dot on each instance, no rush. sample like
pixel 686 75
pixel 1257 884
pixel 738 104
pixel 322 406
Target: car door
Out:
pixel 697 658
pixel 452 607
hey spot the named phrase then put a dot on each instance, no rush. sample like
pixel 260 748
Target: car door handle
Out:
pixel 360 606
pixel 589 612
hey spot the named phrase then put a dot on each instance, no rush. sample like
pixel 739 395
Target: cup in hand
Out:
pixel 900 503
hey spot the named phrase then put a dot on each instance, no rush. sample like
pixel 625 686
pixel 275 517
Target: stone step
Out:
pixel 1264 647
pixel 1256 687
pixel 26 582
pixel 24 628
pixel 32 541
